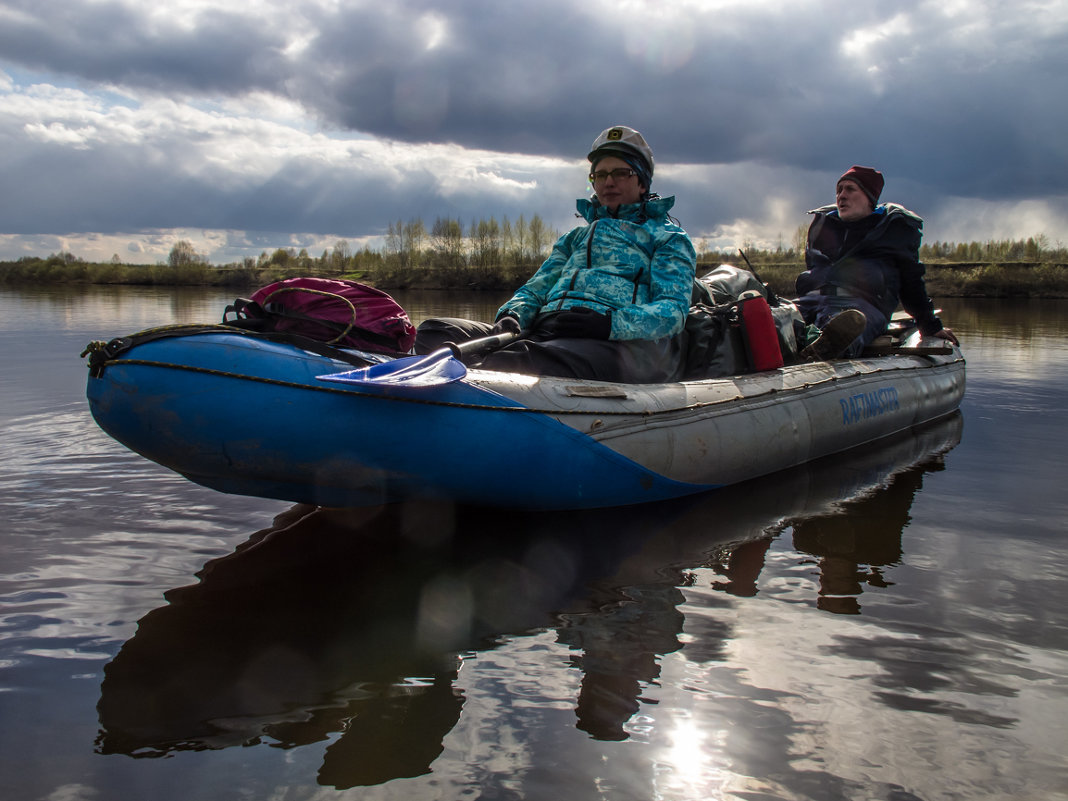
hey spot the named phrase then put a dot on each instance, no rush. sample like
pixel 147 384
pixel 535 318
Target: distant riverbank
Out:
pixel 959 280
pixel 950 279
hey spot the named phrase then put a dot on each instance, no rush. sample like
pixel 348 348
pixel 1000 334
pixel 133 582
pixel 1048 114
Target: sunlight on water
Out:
pixel 689 766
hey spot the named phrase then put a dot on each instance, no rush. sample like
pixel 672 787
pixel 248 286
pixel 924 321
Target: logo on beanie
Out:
pixel 615 135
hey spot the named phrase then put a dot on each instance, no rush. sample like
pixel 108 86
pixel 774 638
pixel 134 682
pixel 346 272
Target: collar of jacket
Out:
pixel 890 211
pixel 656 208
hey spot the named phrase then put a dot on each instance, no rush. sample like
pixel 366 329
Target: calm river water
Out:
pixel 885 625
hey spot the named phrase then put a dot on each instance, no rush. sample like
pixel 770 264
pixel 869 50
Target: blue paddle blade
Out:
pixel 434 370
pixel 440 367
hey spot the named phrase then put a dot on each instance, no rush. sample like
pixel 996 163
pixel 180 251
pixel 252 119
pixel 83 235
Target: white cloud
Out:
pixel 970 220
pixel 60 134
pixel 861 43
pixel 433 29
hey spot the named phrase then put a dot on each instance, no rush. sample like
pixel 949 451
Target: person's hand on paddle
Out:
pixel 505 325
pixel 582 322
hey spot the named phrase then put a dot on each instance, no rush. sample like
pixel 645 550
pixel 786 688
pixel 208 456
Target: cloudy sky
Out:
pixel 247 125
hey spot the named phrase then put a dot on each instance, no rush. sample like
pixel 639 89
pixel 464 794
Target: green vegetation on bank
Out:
pixel 501 255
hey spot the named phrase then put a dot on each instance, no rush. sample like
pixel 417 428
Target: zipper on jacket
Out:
pixel 589 263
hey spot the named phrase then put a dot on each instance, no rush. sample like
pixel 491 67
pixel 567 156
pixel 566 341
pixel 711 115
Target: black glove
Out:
pixel 582 322
pixel 506 325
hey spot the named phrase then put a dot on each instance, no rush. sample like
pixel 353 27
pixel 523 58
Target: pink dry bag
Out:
pixel 340 312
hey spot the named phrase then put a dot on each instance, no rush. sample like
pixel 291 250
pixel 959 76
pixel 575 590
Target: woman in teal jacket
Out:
pixel 611 300
pixel 632 265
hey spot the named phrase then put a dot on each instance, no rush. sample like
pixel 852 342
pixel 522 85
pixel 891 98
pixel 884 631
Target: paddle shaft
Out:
pixel 481 345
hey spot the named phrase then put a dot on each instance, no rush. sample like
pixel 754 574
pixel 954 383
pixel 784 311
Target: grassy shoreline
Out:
pixel 948 279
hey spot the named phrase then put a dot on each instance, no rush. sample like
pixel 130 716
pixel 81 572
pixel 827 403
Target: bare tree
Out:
pixel 539 238
pixel 339 259
pixel 183 254
pixel 447 242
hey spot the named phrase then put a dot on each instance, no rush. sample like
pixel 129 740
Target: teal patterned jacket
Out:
pixel 638 266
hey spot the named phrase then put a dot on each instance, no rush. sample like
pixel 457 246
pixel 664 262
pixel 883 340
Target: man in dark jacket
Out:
pixel 863 259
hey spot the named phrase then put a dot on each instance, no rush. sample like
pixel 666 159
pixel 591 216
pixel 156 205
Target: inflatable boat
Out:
pixel 250 414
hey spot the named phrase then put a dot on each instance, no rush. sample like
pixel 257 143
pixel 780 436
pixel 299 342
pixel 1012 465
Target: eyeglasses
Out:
pixel 622 174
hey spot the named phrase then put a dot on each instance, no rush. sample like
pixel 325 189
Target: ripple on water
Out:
pixel 93 534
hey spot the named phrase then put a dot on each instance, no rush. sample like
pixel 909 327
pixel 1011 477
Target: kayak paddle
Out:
pixel 443 366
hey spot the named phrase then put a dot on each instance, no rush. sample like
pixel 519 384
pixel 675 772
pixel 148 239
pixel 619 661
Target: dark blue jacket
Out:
pixel 876 258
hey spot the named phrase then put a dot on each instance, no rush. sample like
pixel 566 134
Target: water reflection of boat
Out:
pixel 346 626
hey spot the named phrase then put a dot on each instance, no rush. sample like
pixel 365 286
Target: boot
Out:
pixel 836 336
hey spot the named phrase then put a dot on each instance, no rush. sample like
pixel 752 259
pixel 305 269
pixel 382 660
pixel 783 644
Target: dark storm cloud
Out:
pixel 746 105
pixel 772 85
pixel 118 43
pixel 776 87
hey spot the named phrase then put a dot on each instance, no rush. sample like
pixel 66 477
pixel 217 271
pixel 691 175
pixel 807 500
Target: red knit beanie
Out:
pixel 871 181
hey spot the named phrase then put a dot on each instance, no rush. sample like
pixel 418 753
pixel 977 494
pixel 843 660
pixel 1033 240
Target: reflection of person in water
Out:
pixel 742 566
pixel 393 735
pixel 855 546
pixel 316 627
pixel 620 646
pixel 854 540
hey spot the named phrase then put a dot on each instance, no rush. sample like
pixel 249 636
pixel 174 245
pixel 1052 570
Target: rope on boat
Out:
pixel 102 353
pixel 457 405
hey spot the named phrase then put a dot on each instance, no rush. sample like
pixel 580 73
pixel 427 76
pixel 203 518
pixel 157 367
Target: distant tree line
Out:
pixel 488 255
pixel 1033 249
pixel 492 254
